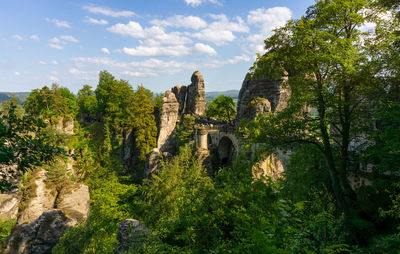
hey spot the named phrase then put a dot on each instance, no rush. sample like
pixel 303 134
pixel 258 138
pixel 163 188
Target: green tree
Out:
pixel 22 144
pixel 51 103
pixel 184 131
pixel 142 113
pixel 329 69
pixel 222 107
pixel 6 105
pixel 114 100
pixel 87 101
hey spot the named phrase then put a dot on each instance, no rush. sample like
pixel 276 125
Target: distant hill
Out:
pixel 5 96
pixel 232 93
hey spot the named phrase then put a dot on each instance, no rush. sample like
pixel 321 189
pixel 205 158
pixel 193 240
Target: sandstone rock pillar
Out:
pixel 196 96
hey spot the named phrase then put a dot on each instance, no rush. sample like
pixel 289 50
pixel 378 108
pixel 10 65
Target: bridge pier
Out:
pixel 202 139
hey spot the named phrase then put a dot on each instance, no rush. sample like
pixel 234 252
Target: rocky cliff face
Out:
pixel 261 96
pixel 196 96
pixel 178 101
pixel 168 118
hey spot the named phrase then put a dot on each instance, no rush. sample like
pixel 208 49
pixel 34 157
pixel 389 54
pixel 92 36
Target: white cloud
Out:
pixel 105 50
pixel 96 21
pixel 221 30
pixel 151 65
pixel 153 36
pixel 157 51
pixel 195 3
pixel 108 12
pixel 55 46
pixel 269 19
pixel 17 37
pixel 132 29
pixel 233 60
pixel 17 73
pixel 35 37
pixel 69 38
pixel 175 50
pixel 192 22
pixel 54 62
pixel 55 40
pixel 266 20
pixel 53 78
pixel 42 62
pixel 203 48
pixel 76 71
pixel 58 23
pixel 139 74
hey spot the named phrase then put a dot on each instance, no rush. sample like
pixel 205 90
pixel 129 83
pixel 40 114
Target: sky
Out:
pixel 157 44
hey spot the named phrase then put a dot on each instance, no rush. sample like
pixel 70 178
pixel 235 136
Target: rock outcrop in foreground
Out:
pixel 43 214
pixel 39 236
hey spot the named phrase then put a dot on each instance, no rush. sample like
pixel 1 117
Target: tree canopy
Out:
pixel 222 107
pixel 335 69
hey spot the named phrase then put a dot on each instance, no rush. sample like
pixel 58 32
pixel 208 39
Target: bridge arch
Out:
pixel 226 151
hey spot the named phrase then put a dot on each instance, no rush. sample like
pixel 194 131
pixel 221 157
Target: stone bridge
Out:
pixel 220 137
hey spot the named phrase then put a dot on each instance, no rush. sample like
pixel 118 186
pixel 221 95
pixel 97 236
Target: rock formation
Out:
pixel 255 95
pixel 37 199
pixel 180 95
pixel 168 118
pixel 196 97
pixel 39 236
pixel 8 206
pixel 73 199
pixel 261 97
pixel 178 101
pixel 132 235
pixel 256 106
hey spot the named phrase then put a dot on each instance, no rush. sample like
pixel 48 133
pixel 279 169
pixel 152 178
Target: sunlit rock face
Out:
pixel 168 118
pixel 196 96
pixel 254 94
pixel 39 236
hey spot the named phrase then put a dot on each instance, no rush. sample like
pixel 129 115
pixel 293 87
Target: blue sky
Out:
pixel 155 43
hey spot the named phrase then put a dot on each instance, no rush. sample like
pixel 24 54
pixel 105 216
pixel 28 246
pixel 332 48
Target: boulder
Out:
pixel 74 201
pixel 196 96
pixel 132 235
pixel 270 166
pixel 39 236
pixel 8 206
pixel 37 199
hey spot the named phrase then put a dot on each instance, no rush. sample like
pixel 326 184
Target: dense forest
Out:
pixel 342 121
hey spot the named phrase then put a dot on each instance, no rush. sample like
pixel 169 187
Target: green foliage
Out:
pixel 87 101
pixel 6 105
pixel 110 203
pixel 222 107
pixel 332 71
pixel 22 143
pixel 144 125
pixel 158 100
pixel 114 101
pixel 5 229
pixel 173 197
pixel 51 103
pixel 184 131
